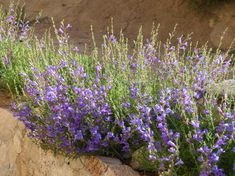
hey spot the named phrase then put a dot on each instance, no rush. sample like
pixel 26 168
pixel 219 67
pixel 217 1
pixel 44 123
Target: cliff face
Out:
pixel 21 157
pixel 207 25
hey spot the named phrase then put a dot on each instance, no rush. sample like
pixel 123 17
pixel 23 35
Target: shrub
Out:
pixel 15 38
pixel 153 98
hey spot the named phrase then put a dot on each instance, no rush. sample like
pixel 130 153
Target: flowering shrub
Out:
pixel 153 99
pixel 15 38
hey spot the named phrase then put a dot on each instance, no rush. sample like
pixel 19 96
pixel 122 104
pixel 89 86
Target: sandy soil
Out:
pixel 5 99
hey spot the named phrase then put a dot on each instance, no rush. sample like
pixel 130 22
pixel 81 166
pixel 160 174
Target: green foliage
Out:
pixel 151 69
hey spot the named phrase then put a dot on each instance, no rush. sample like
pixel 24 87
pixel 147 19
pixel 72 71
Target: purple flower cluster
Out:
pixel 78 119
pixel 138 101
pixel 210 155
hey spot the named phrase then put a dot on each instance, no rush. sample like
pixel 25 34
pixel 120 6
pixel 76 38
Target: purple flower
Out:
pixel 6 61
pixel 172 150
pixel 98 68
pixel 152 157
pixel 68 26
pixel 113 39
pixel 200 159
pixel 217 171
pixel 142 100
pixel 179 162
pixel 76 49
pixel 159 108
pixel 126 105
pixel 204 173
pixel 79 135
pixel 213 157
pixel 50 96
pixel 10 19
pixel 206 111
pixel 195 124
pixel 172 144
pixel 61 31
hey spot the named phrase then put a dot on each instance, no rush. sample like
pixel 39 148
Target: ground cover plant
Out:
pixel 153 100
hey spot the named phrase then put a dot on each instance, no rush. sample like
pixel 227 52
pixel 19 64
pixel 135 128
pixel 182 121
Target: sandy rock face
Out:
pixel 21 157
pixel 9 136
pixel 128 16
pixel 207 25
pixel 224 24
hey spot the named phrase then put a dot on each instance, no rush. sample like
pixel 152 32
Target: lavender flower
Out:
pixel 116 102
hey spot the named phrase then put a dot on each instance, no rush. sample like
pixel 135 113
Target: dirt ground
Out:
pixel 207 24
pixel 5 99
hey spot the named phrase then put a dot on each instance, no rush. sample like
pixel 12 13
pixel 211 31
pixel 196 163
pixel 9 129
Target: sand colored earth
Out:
pixel 5 99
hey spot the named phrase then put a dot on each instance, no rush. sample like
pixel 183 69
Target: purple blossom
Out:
pixel 11 19
pixel 6 61
pixel 113 39
pixel 195 124
pixel 172 144
pixel 50 96
pixel 179 162
pixel 76 106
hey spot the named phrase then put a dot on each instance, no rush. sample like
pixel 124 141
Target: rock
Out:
pixel 114 170
pixel 223 19
pixel 104 166
pixel 8 152
pixel 21 157
pixel 7 125
pixel 228 37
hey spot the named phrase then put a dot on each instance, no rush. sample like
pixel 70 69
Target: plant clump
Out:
pixel 118 100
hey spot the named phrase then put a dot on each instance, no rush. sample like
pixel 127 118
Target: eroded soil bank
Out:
pixel 5 99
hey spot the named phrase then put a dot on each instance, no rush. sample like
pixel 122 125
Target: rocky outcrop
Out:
pixel 21 157
pixel 223 26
